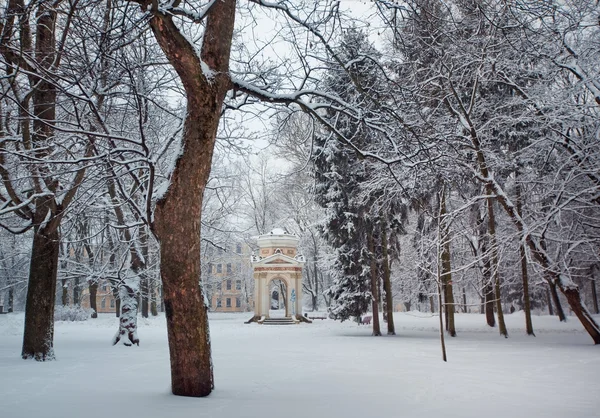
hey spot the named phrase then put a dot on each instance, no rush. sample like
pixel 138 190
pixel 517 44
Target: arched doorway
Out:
pixel 279 304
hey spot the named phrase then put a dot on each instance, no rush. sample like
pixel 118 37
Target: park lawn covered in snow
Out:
pixel 326 369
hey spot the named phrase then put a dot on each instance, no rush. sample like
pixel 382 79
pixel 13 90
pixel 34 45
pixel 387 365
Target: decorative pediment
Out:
pixel 278 260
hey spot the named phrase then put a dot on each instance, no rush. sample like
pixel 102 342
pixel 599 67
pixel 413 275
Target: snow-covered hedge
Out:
pixel 71 313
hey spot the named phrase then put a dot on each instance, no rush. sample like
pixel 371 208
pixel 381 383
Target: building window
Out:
pixel 238 267
pixel 112 303
pixel 229 268
pixel 238 248
pixel 104 287
pixel 238 302
pixel 218 303
pixel 219 268
pixel 229 302
pixel 238 285
pixel 103 303
pixel 229 284
pixel 210 268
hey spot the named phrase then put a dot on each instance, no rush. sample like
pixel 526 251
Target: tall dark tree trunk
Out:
pixel 549 301
pixel 495 263
pixel 594 296
pixel 446 271
pixel 76 292
pixel 524 273
pixel 178 213
pixel 464 300
pixel 559 310
pixel 387 284
pixel 144 293
pixel 374 283
pixel 431 304
pixel 64 293
pixel 93 289
pixel 153 307
pixel 315 295
pixel 38 336
pixel 11 299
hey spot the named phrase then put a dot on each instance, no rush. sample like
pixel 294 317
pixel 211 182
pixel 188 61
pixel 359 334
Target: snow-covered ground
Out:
pixel 326 369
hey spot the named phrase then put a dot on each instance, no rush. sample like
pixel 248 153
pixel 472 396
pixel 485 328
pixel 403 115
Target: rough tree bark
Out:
pixel 38 336
pixel 178 212
pixel 495 263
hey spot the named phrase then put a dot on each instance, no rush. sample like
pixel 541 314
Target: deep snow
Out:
pixel 325 369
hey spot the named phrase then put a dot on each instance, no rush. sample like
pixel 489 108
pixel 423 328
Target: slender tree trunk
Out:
pixel 495 263
pixel 446 272
pixel 93 289
pixel 559 310
pixel 65 293
pixel 549 301
pixel 76 292
pixel 11 299
pixel 464 300
pixel 374 284
pixel 178 213
pixel 315 295
pixel 115 292
pixel 144 280
pixel 153 305
pixel 144 293
pixel 431 304
pixel 524 273
pixel 38 336
pixel 594 296
pixel 387 284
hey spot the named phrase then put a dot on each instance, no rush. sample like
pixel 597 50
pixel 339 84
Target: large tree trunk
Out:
pixel 374 283
pixel 38 336
pixel 524 273
pixel 178 213
pixel 387 284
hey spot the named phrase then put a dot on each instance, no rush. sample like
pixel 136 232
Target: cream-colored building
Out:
pixel 278 259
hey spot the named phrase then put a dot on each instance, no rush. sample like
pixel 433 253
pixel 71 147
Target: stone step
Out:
pixel 279 321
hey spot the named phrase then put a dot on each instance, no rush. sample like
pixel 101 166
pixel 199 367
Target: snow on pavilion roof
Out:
pixel 277 258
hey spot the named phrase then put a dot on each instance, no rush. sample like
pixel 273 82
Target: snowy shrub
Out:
pixel 71 313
